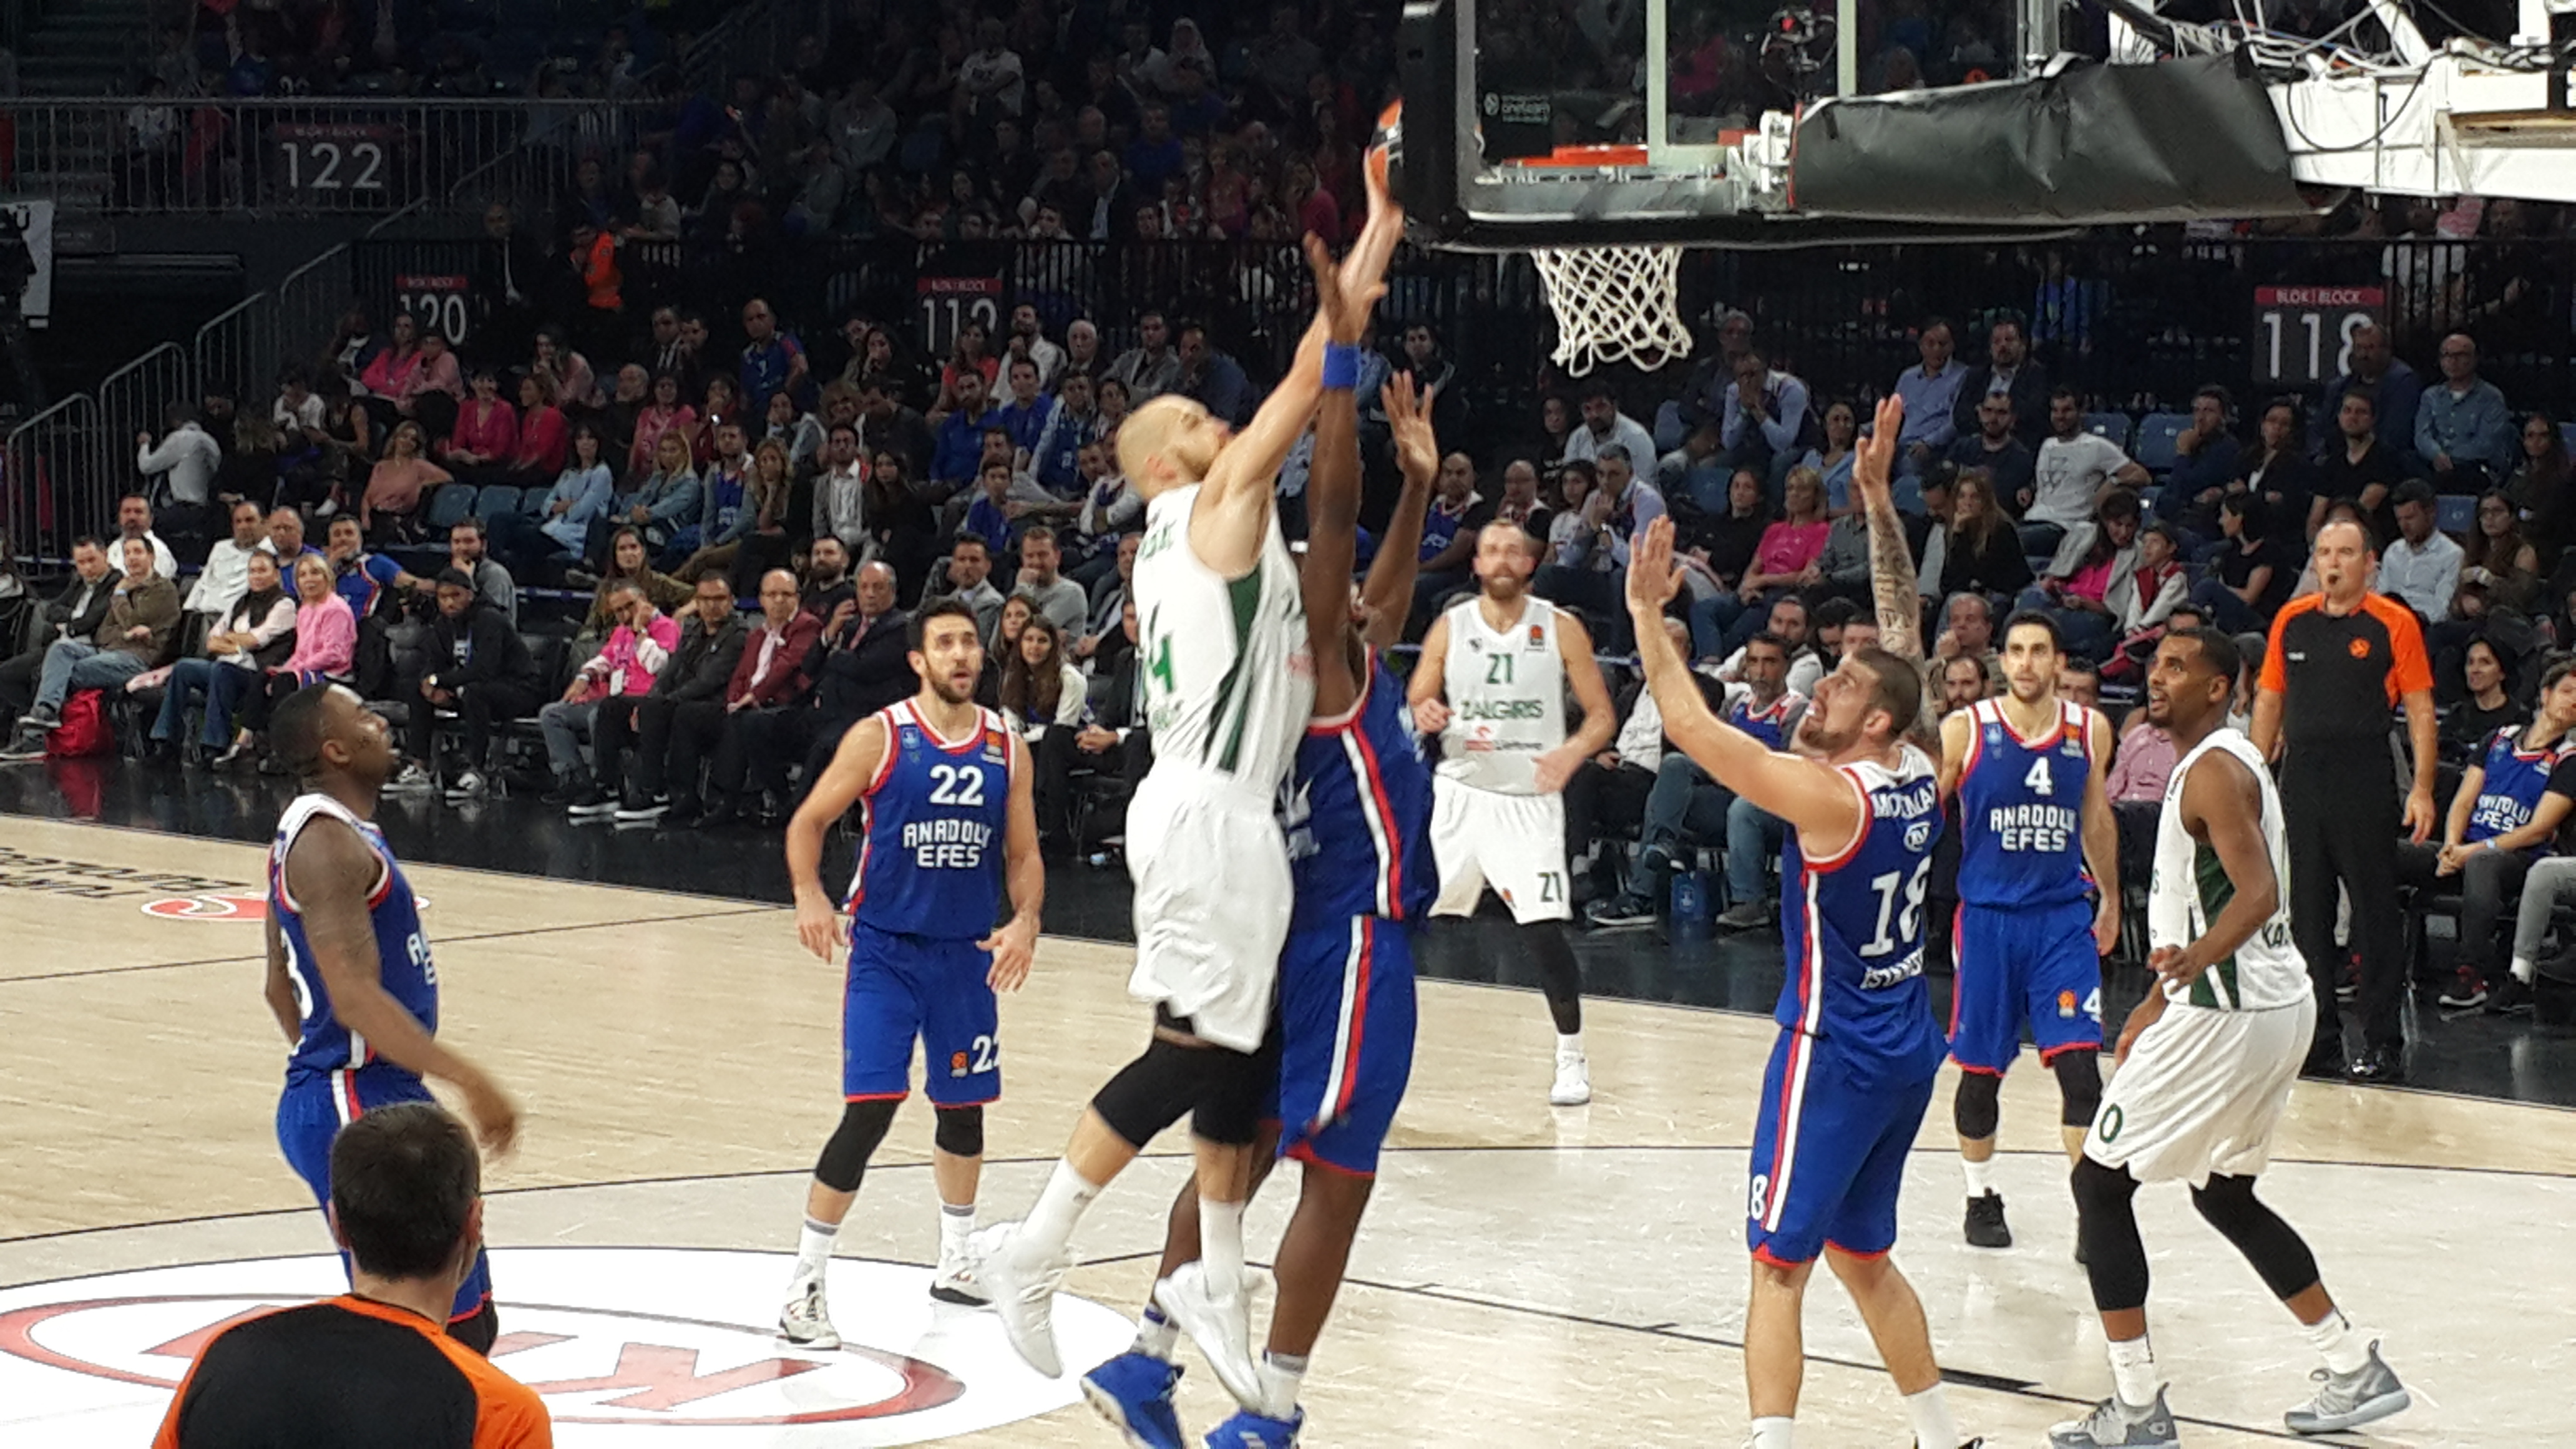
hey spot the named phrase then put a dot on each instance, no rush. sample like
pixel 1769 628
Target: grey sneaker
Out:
pixel 2115 1425
pixel 2346 1401
pixel 806 1321
pixel 414 780
pixel 1744 916
pixel 1623 910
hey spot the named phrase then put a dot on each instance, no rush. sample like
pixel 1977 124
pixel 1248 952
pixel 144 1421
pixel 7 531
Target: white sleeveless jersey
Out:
pixel 2190 888
pixel 1229 676
pixel 1506 697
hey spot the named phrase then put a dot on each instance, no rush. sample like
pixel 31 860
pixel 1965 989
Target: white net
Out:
pixel 1613 304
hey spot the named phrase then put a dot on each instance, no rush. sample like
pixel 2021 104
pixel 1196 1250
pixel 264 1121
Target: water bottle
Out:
pixel 1690 905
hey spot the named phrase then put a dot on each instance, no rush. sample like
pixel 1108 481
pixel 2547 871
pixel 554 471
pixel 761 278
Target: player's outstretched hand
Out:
pixel 1408 416
pixel 1344 301
pixel 818 926
pixel 494 1115
pixel 1874 460
pixel 1653 578
pixel 1013 946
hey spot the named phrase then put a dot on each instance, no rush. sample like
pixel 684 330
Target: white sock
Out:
pixel 1067 1195
pixel 956 1225
pixel 1933 1426
pixel 1569 1046
pixel 1156 1336
pixel 1282 1376
pixel 2525 970
pixel 1771 1433
pixel 813 1252
pixel 2133 1371
pixel 1221 1247
pixel 1981 1176
pixel 2336 1341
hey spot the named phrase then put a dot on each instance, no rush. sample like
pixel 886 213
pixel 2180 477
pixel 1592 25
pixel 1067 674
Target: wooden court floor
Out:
pixel 1527 1275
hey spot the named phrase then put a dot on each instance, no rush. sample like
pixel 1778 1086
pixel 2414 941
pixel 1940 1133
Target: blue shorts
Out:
pixel 2036 964
pixel 311 1112
pixel 902 987
pixel 1345 1041
pixel 1828 1155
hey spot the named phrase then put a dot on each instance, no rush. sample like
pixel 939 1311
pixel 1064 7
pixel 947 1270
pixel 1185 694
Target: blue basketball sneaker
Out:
pixel 1134 1393
pixel 1248 1430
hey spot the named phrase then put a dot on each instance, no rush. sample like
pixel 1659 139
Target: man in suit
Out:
pixel 859 666
pixel 75 614
pixel 2010 372
pixel 769 680
pixel 1113 741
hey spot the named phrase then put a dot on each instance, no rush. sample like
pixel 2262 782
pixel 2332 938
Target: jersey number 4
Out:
pixel 961 785
pixel 2037 781
pixel 1909 921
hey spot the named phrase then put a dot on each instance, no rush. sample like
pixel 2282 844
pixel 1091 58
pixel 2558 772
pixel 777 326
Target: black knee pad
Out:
pixel 1237 1086
pixel 2106 1223
pixel 845 1158
pixel 1978 1108
pixel 2275 1248
pixel 1152 1092
pixel 2079 1085
pixel 959 1131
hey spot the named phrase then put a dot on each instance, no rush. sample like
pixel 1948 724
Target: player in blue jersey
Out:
pixel 1359 830
pixel 349 971
pixel 947 826
pixel 1852 1071
pixel 2030 935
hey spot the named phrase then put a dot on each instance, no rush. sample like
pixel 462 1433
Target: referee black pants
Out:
pixel 2340 814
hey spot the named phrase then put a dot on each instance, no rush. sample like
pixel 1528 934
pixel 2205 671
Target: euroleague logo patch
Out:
pixel 242 906
pixel 622 1344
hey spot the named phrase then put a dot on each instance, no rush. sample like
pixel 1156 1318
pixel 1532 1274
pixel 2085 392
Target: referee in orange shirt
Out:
pixel 373 1368
pixel 2338 660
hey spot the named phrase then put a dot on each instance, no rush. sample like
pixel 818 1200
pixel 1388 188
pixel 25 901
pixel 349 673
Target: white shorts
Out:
pixel 1515 843
pixel 2201 1093
pixel 1211 874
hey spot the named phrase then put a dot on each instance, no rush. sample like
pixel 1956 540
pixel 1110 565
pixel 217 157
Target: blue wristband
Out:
pixel 1341 366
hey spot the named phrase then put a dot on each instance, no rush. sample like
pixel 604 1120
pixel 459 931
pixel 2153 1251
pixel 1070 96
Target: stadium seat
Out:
pixel 2154 449
pixel 533 501
pixel 2114 426
pixel 2455 513
pixel 2567 435
pixel 496 500
pixel 448 504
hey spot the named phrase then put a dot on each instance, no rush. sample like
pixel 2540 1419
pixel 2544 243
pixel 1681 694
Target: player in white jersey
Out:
pixel 1491 684
pixel 1229 682
pixel 2206 1064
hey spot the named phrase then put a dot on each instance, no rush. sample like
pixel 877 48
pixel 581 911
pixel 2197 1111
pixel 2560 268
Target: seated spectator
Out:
pixel 226 576
pixel 959 451
pixel 2276 472
pixel 1040 686
pixel 2489 705
pixel 826 584
pixel 437 385
pixel 794 429
pixel 840 491
pixel 967 577
pixel 475 665
pixel 1809 637
pixel 136 633
pixel 2543 489
pixel 969 355
pixel 2510 805
pixel 664 412
pixel 2009 374
pixel 1832 457
pixel 697 669
pixel 254 635
pixel 2207 460
pixel 1098 642
pixel 1606 430
pixel 76 613
pixel 767 681
pixel 485 439
pixel 1766 421
pixel 2360 466
pixel 1213 378
pixel 1060 600
pixel 1994 450
pixel 618 676
pixel 1150 368
pixel 406 1204
pixel 2141 766
pixel 326 645
pixel 390 506
pixel 1978 549
pixel 1110 511
pixel 581 497
pixel 2080 680
pixel 862 663
pixel 1931 393
pixel 2070 472
pixel 1071 424
pixel 2497 556
pixel 2251 575
pixel 2421 566
pixel 576 385
pixel 2385 382
pixel 1628 784
pixel 1681 812
pixel 1967 631
pixel 392 375
pixel 1589 570
pixel 724 497
pixel 2463 430
pixel 988 518
pixel 1718 548
pixel 2090 559
pixel 1965 679
pixel 544 434
pixel 1017 611
pixel 1785 561
pixel 2142 601
pixel 668 499
pixel 754 540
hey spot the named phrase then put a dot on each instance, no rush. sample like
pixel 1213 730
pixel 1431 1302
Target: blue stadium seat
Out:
pixel 2455 513
pixel 2567 435
pixel 2154 449
pixel 2114 426
pixel 533 502
pixel 498 499
pixel 447 503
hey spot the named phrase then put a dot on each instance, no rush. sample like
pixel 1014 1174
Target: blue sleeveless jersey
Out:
pixel 2021 809
pixel 1853 930
pixel 1358 815
pixel 402 952
pixel 2516 778
pixel 1769 724
pixel 936 819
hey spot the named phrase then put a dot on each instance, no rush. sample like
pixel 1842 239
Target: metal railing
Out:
pixel 54 485
pixel 135 400
pixel 299 156
pixel 757 36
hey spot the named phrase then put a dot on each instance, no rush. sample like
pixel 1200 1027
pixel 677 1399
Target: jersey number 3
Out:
pixel 956 785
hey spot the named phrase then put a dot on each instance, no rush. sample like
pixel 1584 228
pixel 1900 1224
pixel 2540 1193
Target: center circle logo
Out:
pixel 618 1341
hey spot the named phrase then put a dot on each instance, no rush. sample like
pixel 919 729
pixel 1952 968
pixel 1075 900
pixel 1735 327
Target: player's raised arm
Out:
pixel 1388 594
pixel 1024 872
pixel 329 874
pixel 2222 803
pixel 853 769
pixel 1332 529
pixel 1891 563
pixel 1810 796
pixel 2101 830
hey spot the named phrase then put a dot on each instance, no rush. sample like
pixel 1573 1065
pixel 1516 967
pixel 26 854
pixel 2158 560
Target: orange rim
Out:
pixel 1580 157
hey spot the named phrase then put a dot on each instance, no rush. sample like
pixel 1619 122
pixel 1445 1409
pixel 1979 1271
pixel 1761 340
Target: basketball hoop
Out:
pixel 1613 304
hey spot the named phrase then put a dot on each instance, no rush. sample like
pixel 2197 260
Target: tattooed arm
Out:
pixel 1891 563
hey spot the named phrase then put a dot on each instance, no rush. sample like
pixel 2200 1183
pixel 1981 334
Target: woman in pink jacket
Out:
pixel 326 647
